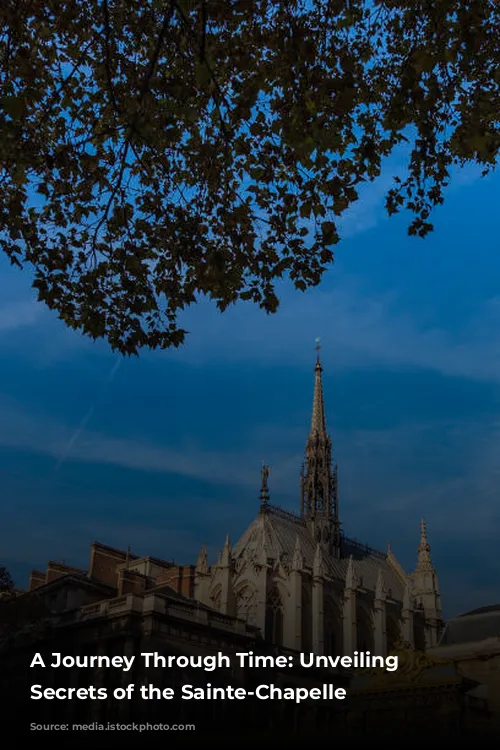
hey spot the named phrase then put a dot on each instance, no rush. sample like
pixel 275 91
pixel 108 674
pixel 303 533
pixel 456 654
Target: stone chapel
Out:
pixel 306 585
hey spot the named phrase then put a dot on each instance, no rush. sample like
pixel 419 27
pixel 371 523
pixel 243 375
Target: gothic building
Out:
pixel 307 586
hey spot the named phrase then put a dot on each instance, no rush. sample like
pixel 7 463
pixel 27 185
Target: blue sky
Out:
pixel 163 452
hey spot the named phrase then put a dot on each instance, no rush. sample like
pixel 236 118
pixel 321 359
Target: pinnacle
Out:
pixel 424 549
pixel 318 419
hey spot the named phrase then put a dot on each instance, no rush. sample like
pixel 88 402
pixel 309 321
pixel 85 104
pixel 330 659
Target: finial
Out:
pixel 202 563
pixel 318 569
pixel 379 587
pixel 226 552
pixel 351 577
pixel 318 349
pixel 424 550
pixel 423 527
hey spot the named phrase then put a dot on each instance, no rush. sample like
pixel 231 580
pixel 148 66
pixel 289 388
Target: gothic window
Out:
pixel 419 631
pixel 274 617
pixel 306 620
pixel 393 634
pixel 332 629
pixel 364 630
pixel 246 605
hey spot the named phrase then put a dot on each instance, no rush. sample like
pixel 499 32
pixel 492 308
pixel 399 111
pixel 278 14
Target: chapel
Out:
pixel 309 587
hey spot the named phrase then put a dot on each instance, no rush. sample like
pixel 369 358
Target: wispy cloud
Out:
pixel 379 463
pixel 43 435
pixel 18 315
pixel 86 418
pixel 357 328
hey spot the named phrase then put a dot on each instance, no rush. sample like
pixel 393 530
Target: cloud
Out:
pixel 43 435
pixel 19 315
pixel 381 464
pixel 358 328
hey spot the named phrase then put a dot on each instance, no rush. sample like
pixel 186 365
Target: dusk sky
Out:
pixel 163 452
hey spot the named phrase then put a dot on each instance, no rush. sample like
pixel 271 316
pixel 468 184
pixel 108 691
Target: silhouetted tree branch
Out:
pixel 153 153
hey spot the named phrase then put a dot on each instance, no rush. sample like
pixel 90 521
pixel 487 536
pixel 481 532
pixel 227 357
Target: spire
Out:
pixel 264 489
pixel 226 552
pixel 424 550
pixel 351 578
pixel 202 563
pixel 319 477
pixel 318 419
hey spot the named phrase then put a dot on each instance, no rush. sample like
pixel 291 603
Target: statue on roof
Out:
pixel 265 476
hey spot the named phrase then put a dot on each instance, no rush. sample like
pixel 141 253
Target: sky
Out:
pixel 163 452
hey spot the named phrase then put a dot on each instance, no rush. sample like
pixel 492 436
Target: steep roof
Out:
pixel 276 531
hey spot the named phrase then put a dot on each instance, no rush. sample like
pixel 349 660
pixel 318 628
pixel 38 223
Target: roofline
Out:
pixel 81 578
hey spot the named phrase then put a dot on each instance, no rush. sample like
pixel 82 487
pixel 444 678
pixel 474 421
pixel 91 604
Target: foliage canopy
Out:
pixel 157 151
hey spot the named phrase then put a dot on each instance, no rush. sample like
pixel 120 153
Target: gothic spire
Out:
pixel 318 419
pixel 202 563
pixel 319 477
pixel 424 550
pixel 226 552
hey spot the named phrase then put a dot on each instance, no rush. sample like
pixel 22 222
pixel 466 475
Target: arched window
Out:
pixel 332 631
pixel 274 617
pixel 419 631
pixel 246 605
pixel 393 634
pixel 364 630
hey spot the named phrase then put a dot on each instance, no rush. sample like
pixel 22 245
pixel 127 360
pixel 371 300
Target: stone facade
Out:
pixel 308 587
